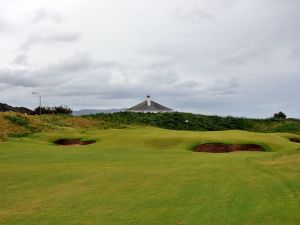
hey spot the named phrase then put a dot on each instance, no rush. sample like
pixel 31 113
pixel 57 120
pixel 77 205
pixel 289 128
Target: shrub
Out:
pixel 190 121
pixel 53 110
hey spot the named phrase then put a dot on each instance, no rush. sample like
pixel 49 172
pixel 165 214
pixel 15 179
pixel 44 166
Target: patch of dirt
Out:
pixel 73 142
pixel 297 140
pixel 225 148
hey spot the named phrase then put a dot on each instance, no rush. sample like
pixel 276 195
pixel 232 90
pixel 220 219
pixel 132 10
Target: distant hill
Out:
pixel 95 111
pixel 7 108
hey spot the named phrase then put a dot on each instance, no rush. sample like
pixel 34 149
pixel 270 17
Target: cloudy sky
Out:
pixel 225 57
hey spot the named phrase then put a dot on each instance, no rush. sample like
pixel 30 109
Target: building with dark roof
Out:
pixel 149 106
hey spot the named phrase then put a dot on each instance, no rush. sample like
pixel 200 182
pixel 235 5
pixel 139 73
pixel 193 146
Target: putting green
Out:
pixel 144 175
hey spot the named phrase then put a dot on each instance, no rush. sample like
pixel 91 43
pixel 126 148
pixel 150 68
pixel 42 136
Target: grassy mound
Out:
pixel 16 124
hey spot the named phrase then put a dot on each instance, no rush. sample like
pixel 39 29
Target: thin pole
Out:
pixel 40 104
pixel 40 101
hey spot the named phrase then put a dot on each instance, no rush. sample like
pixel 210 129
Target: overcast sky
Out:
pixel 225 57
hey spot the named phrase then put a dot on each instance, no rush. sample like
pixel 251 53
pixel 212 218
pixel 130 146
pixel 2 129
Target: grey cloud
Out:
pixel 74 70
pixel 295 53
pixel 44 14
pixel 81 62
pixel 213 57
pixel 74 64
pixel 20 59
pixel 193 14
pixel 149 78
pixel 223 87
pixel 101 85
pixel 16 77
pixel 54 74
pixel 195 11
pixel 49 39
pixel 4 87
pixel 242 56
pixel 96 83
pixel 3 26
pixel 113 80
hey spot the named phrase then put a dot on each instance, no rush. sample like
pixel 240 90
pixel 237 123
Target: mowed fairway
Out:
pixel 144 175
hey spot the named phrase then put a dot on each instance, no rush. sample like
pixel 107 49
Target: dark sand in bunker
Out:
pixel 297 140
pixel 73 142
pixel 225 148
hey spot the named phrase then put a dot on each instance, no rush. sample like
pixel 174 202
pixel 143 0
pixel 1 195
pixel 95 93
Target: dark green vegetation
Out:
pixel 52 110
pixel 196 122
pixel 17 120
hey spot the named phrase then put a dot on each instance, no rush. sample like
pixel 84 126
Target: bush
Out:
pixel 53 110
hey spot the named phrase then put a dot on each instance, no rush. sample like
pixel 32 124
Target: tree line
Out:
pixel 53 110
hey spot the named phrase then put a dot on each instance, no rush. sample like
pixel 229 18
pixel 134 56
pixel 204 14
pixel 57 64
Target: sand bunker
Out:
pixel 224 148
pixel 297 140
pixel 73 142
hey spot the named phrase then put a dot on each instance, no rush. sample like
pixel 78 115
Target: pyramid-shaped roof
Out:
pixel 149 106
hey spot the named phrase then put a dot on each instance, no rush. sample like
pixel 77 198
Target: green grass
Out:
pixel 17 120
pixel 144 175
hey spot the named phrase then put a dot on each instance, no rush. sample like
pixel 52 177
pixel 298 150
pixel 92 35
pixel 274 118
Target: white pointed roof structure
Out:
pixel 149 106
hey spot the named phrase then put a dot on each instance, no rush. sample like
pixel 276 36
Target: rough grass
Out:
pixel 8 128
pixel 17 124
pixel 144 175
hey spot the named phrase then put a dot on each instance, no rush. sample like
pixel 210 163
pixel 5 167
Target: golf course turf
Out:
pixel 146 175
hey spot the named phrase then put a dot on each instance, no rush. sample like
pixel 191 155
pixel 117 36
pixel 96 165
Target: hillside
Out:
pixel 17 124
pixel 7 108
